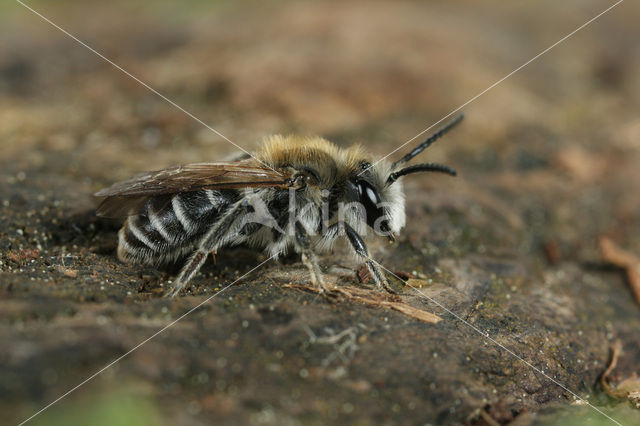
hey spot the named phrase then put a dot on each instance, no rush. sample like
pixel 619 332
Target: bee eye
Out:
pixel 370 199
pixel 370 194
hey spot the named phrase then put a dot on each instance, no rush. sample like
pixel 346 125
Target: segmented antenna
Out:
pixel 431 139
pixel 424 167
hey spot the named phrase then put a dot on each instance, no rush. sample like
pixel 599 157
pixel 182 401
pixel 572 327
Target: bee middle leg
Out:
pixel 210 243
pixel 309 258
pixel 358 245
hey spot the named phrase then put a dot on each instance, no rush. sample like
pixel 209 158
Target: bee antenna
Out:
pixel 431 139
pixel 424 167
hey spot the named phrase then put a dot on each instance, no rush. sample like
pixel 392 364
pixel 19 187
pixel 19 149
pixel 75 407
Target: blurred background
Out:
pixel 547 161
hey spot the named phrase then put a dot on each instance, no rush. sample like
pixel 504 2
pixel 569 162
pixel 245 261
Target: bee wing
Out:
pixel 129 197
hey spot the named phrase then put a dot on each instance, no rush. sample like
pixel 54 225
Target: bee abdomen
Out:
pixel 170 226
pixel 140 242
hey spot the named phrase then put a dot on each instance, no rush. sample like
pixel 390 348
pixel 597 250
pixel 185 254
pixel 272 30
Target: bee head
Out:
pixel 383 204
pixel 379 189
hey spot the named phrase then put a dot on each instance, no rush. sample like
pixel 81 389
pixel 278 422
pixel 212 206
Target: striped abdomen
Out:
pixel 170 226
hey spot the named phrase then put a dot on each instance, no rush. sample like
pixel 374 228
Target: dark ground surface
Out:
pixel 548 159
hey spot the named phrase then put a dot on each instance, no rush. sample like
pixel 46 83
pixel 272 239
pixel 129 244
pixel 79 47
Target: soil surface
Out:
pixel 506 252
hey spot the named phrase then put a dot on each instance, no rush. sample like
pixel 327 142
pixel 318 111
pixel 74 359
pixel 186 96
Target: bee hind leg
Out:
pixel 211 242
pixel 189 270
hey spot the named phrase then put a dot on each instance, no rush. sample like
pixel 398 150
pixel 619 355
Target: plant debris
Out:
pixel 71 273
pixel 628 388
pixel 375 298
pixel 613 254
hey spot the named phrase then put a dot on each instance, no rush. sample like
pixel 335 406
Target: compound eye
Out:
pixel 370 194
pixel 363 188
pixel 370 199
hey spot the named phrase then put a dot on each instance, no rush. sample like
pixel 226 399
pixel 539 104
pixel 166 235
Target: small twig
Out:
pixel 376 299
pixel 604 379
pixel 629 388
pixel 613 254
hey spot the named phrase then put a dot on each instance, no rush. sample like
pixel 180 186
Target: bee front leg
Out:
pixel 309 258
pixel 357 243
pixel 211 241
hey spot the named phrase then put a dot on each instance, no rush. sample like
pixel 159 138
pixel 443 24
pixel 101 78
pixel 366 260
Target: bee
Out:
pixel 294 193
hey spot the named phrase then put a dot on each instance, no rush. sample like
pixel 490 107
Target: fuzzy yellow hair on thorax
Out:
pixel 279 150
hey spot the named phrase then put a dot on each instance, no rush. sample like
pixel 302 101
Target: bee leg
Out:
pixel 189 270
pixel 361 250
pixel 210 243
pixel 310 259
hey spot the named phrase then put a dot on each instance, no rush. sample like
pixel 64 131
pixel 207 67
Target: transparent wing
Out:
pixel 129 197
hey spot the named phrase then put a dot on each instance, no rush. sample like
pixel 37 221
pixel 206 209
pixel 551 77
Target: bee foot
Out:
pixel 330 295
pixel 174 291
